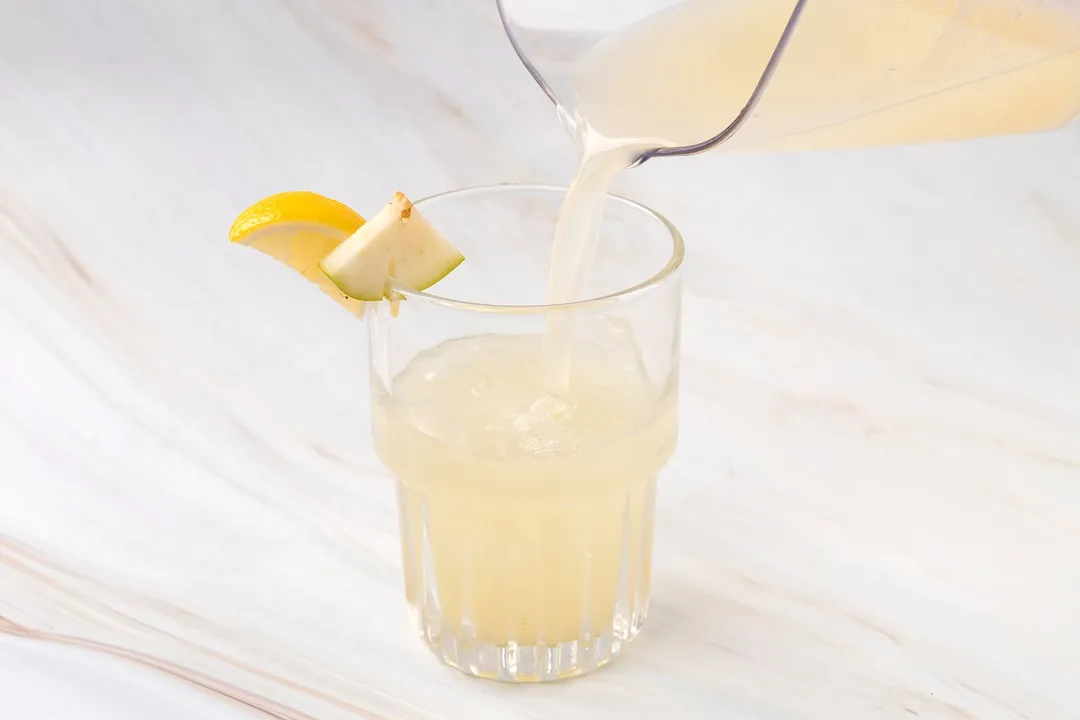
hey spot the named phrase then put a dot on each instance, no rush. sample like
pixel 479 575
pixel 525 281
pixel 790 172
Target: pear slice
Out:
pixel 397 243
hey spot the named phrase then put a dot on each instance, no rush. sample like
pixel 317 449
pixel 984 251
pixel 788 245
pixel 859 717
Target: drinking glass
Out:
pixel 526 515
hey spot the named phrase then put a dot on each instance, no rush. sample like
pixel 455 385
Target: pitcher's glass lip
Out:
pixel 678 253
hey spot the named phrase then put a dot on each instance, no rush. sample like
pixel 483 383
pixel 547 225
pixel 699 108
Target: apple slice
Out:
pixel 397 243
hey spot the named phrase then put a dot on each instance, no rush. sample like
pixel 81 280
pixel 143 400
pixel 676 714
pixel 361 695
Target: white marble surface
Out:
pixel 874 511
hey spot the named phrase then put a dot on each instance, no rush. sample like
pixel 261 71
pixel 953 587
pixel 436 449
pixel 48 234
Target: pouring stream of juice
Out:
pixel 855 73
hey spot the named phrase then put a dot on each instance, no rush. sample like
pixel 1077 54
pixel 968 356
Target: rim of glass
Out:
pixel 678 252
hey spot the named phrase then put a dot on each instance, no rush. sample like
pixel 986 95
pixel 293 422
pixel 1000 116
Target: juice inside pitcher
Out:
pixel 856 73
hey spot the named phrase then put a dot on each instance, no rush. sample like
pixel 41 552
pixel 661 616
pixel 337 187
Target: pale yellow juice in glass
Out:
pixel 526 518
pixel 527 463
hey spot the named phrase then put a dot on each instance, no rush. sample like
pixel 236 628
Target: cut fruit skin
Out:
pixel 298 229
pixel 397 243
pixel 295 206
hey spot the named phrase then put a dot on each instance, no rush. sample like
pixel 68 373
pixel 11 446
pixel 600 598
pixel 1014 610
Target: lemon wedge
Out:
pixel 299 229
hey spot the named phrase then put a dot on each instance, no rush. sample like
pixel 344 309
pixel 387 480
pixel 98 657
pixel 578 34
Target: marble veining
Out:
pixel 874 511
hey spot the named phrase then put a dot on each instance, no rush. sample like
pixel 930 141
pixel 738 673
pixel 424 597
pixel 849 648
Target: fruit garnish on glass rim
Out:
pixel 351 260
pixel 397 243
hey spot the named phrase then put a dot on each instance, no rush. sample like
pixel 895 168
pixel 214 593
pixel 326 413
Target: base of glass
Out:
pixel 529 663
pixel 527 590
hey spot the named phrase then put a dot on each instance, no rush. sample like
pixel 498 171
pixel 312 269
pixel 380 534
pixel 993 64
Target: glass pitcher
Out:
pixel 684 75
